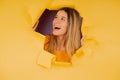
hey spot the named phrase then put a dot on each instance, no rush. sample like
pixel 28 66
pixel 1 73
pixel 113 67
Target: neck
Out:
pixel 60 43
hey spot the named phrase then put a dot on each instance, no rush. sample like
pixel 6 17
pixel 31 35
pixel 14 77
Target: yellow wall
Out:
pixel 20 46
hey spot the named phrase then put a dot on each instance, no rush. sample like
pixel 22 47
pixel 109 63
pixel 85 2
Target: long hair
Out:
pixel 73 35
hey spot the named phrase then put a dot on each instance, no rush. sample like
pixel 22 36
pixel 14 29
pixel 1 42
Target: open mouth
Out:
pixel 57 28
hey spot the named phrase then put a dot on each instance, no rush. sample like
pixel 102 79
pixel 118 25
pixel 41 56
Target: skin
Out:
pixel 60 25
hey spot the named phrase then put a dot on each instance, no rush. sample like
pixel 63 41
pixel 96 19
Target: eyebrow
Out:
pixel 62 16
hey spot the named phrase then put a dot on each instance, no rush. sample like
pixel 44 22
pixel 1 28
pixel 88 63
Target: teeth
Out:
pixel 57 28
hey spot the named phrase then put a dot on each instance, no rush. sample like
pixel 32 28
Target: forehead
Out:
pixel 61 13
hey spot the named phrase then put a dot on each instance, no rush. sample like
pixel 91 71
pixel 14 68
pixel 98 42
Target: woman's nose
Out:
pixel 57 21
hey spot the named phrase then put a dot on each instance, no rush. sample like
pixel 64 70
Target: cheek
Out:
pixel 53 22
pixel 65 28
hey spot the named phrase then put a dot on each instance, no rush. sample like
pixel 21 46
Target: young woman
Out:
pixel 66 34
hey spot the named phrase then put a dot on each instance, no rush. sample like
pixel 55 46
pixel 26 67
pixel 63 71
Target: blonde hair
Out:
pixel 73 36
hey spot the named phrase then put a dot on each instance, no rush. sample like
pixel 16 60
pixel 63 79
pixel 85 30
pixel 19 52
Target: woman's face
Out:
pixel 60 23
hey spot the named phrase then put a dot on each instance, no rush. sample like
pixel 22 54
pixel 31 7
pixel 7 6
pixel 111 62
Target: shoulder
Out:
pixel 47 38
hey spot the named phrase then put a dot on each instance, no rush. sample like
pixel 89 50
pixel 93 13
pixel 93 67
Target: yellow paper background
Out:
pixel 20 46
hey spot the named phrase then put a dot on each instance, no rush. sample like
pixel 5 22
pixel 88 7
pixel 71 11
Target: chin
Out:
pixel 56 34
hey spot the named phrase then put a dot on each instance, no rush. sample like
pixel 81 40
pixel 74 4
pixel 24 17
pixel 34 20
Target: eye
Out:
pixel 55 17
pixel 63 18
